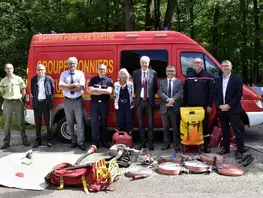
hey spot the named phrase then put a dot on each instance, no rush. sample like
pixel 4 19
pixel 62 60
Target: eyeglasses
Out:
pixel 102 69
pixel 170 71
pixel 226 66
pixel 40 69
pixel 198 62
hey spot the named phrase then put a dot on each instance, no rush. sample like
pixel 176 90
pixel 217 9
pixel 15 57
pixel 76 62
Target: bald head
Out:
pixel 41 70
pixel 9 69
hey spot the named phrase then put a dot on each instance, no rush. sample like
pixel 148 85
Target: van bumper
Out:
pixel 255 118
pixel 29 118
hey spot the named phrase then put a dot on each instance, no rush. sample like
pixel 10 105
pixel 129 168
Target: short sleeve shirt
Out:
pixel 104 83
pixel 11 88
pixel 78 77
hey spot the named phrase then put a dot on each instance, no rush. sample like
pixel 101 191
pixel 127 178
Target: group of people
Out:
pixel 200 89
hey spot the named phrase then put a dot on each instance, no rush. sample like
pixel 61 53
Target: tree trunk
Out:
pixel 257 44
pixel 107 15
pixel 157 6
pixel 243 54
pixel 191 11
pixel 178 18
pixel 215 31
pixel 170 10
pixel 128 12
pixel 149 21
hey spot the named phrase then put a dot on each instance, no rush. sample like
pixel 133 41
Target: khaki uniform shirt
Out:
pixel 12 89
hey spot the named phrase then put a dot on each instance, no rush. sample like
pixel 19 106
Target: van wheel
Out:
pixel 63 131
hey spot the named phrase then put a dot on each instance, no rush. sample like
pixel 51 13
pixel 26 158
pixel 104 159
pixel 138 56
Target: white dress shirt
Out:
pixel 41 89
pixel 224 85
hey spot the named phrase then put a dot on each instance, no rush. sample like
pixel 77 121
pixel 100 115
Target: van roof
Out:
pixel 139 37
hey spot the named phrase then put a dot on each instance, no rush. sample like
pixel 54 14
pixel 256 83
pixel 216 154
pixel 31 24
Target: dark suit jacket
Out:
pixel 233 96
pixel 49 89
pixel 152 85
pixel 177 94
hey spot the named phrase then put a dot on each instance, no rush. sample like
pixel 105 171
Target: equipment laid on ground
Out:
pixel 122 137
pixel 229 170
pixel 211 158
pixel 138 173
pixel 93 176
pixel 170 168
pixel 191 127
pixel 28 159
pixel 246 160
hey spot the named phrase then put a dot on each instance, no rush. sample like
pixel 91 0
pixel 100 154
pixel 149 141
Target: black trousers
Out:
pixel 238 128
pixel 174 117
pixel 124 117
pixel 99 113
pixel 145 109
pixel 42 109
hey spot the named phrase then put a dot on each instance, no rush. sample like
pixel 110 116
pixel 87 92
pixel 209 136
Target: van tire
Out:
pixel 62 132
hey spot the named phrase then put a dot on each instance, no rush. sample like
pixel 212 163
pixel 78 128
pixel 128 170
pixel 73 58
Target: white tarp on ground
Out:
pixel 33 174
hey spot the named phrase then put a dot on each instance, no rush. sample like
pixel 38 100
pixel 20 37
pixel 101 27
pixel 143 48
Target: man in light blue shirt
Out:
pixel 72 83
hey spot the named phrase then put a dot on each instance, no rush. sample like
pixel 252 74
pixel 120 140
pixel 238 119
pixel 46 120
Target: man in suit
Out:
pixel 228 93
pixel 42 89
pixel 171 92
pixel 145 86
pixel 198 91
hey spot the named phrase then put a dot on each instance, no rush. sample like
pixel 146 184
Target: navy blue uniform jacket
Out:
pixel 198 89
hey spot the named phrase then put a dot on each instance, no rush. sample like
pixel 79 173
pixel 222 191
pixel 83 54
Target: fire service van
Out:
pixel 122 50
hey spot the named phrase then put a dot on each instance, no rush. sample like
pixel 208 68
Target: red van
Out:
pixel 122 50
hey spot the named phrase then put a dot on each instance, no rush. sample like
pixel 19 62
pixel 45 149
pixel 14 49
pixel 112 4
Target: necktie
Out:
pixel 145 89
pixel 71 81
pixel 170 89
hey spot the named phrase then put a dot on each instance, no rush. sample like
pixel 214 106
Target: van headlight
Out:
pixel 259 103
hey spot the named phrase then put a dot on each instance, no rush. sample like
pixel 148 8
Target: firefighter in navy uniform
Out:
pixel 198 91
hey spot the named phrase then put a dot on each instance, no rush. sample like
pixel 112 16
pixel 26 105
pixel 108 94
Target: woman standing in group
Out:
pixel 123 101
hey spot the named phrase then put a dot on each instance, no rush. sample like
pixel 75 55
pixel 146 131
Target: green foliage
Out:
pixel 225 28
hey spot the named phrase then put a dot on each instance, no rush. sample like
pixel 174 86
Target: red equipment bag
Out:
pixel 122 137
pixel 217 136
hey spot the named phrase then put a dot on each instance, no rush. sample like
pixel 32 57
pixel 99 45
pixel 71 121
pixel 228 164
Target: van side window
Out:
pixel 187 59
pixel 130 59
pixel 187 63
pixel 211 67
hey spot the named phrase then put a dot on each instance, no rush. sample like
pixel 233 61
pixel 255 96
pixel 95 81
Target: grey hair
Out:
pixel 226 61
pixel 125 71
pixel 41 65
pixel 170 66
pixel 145 58
pixel 102 65
pixel 72 59
pixel 201 60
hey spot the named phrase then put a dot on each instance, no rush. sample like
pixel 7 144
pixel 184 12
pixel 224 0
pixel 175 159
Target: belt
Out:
pixel 12 100
pixel 123 100
pixel 99 101
pixel 41 100
pixel 73 98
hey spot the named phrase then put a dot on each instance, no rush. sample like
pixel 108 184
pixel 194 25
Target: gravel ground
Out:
pixel 191 185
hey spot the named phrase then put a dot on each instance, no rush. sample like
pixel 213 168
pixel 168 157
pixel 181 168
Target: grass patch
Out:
pixel 14 125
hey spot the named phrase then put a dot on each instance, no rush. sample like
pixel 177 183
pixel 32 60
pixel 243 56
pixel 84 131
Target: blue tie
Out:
pixel 71 81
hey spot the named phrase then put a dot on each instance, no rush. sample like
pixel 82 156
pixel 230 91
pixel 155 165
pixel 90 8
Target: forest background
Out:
pixel 228 29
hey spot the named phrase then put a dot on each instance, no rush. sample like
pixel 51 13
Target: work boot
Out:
pixel 151 147
pixel 206 143
pixel 4 146
pixel 37 144
pixel 142 145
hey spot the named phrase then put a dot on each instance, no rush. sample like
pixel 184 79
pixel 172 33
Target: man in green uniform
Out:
pixel 12 88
